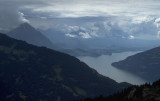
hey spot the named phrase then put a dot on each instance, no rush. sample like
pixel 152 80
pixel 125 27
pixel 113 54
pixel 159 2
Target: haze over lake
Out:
pixel 103 65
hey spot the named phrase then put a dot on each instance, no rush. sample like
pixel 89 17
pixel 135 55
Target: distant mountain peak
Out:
pixel 26 27
pixel 29 34
pixel 25 24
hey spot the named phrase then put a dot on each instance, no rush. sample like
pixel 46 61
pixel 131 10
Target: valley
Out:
pixel 32 73
pixel 79 50
pixel 103 65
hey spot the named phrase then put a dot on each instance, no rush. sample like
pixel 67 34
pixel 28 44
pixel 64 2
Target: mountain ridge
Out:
pixel 145 92
pixel 29 34
pixel 145 64
pixel 32 73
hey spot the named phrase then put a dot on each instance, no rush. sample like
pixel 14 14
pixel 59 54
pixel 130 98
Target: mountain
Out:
pixel 31 73
pixel 144 92
pixel 78 46
pixel 27 33
pixel 145 65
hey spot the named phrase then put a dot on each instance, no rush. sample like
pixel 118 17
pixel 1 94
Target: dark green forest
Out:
pixel 146 92
pixel 31 73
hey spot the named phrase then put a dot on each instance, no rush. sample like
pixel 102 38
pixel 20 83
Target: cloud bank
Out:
pixel 96 17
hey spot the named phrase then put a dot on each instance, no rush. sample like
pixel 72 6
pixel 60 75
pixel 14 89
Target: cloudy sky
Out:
pixel 137 18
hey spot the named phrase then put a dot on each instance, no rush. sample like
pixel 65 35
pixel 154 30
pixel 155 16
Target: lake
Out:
pixel 102 64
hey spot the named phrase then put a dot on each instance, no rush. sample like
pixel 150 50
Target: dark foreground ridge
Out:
pixel 145 92
pixel 31 73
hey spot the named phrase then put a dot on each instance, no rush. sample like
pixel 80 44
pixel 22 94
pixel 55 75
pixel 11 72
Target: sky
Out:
pixel 95 18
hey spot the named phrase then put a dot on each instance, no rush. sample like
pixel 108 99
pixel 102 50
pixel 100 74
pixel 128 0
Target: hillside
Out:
pixel 144 92
pixel 31 73
pixel 145 64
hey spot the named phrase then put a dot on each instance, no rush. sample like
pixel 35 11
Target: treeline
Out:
pixel 146 92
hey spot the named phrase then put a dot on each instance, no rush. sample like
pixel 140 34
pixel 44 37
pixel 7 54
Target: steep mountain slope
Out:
pixel 31 73
pixel 145 92
pixel 27 33
pixel 145 64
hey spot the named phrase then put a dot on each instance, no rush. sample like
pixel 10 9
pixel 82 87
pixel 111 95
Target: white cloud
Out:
pixel 157 22
pixel 131 37
pixel 84 35
pixel 22 18
pixel 94 34
pixel 141 19
pixel 73 28
pixel 71 35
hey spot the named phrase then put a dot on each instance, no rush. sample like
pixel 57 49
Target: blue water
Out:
pixel 103 65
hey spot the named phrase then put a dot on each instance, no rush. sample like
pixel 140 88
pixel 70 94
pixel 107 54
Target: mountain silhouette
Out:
pixel 32 73
pixel 27 33
pixel 144 92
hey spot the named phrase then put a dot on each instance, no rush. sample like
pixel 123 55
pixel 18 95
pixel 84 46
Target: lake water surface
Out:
pixel 103 65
